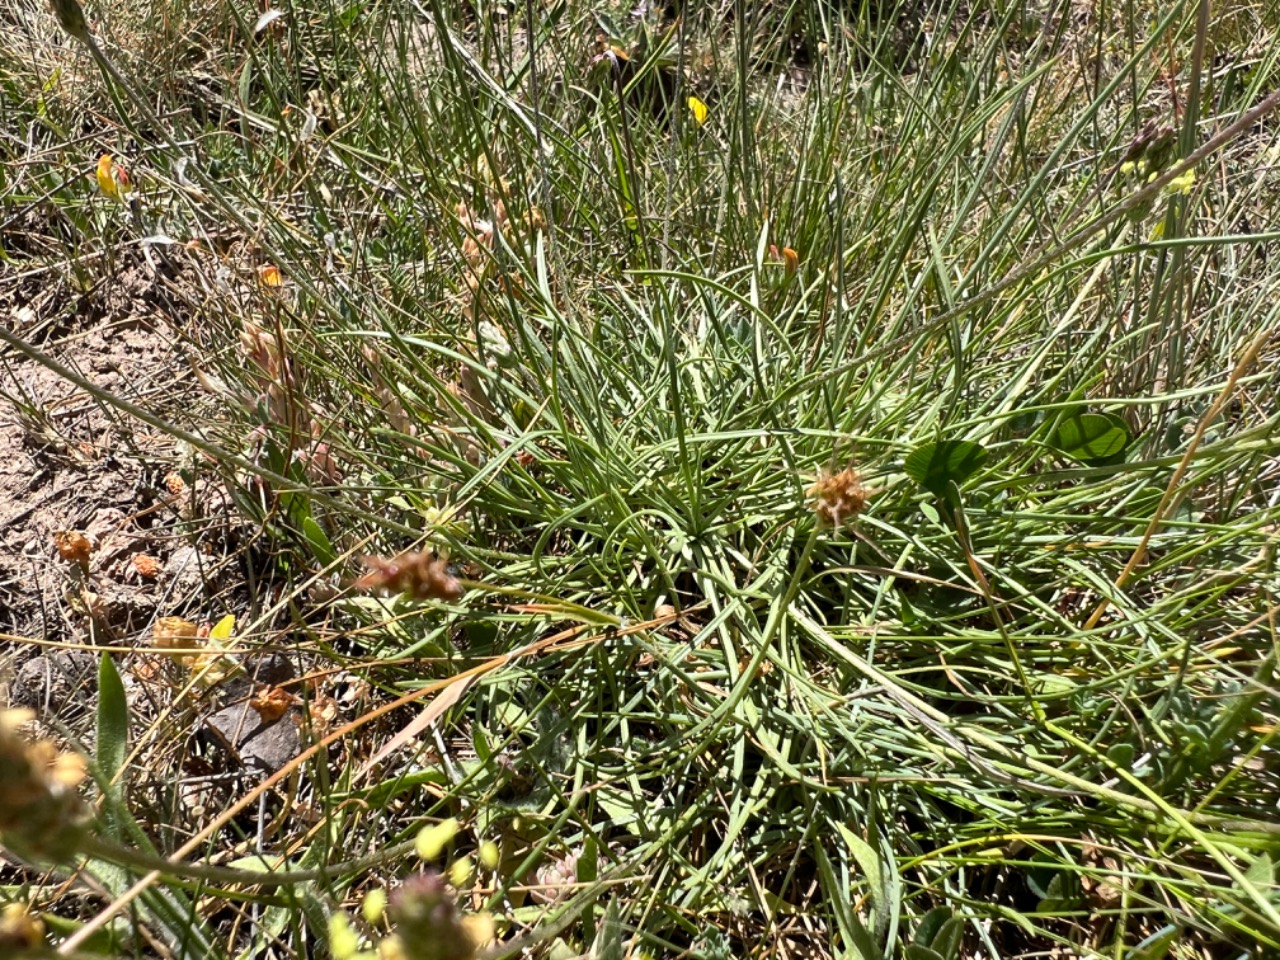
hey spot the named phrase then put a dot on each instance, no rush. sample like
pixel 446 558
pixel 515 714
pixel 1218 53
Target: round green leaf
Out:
pixel 935 465
pixel 1092 438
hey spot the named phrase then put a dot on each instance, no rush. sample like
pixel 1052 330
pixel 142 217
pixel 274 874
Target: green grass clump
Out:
pixel 860 500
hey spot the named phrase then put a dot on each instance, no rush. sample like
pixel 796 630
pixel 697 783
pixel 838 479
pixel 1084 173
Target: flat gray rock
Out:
pixel 258 746
pixel 55 681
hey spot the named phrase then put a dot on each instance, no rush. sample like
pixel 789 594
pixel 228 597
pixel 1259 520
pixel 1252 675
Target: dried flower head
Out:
pixel 429 925
pixel 71 16
pixel 73 547
pixel 146 565
pixel 174 633
pixel 19 930
pixel 272 703
pixel 41 816
pixel 262 349
pixel 838 497
pixel 422 576
pixel 320 464
pixel 394 410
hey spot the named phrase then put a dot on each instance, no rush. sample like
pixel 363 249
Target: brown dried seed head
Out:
pixel 261 349
pixel 421 576
pixel 323 710
pixel 73 547
pixel 171 633
pixel 838 497
pixel 320 464
pixel 19 930
pixel 146 565
pixel 71 17
pixel 272 703
pixel 41 815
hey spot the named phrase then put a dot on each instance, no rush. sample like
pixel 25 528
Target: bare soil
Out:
pixel 71 466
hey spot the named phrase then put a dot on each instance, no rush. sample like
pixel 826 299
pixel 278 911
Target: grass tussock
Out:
pixel 775 479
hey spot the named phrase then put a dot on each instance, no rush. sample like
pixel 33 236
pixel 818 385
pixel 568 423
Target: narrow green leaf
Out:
pixel 1156 946
pixel 113 720
pixel 608 942
pixel 854 937
pixel 588 871
pixel 868 862
pixel 319 542
pixel 935 465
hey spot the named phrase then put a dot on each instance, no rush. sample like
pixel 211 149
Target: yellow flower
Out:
pixel 375 905
pixel 110 177
pixel 20 930
pixel 699 109
pixel 460 872
pixel 1181 184
pixel 344 942
pixel 432 840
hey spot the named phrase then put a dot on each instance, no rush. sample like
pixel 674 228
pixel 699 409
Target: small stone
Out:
pixel 183 575
pixel 55 680
pixel 261 747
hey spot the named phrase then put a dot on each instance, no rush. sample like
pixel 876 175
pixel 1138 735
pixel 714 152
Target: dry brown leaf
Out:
pixel 149 672
pixel 271 703
pixel 324 710
pixel 445 699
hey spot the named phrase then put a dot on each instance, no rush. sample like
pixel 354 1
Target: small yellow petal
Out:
pixel 106 177
pixel 344 942
pixel 1182 184
pixel 375 904
pixel 432 840
pixel 699 109
pixel 270 275
pixel 478 929
pixel 222 629
pixel 460 872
